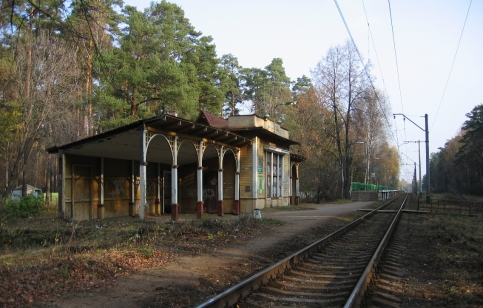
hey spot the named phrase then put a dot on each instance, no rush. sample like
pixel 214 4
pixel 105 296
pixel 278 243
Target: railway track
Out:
pixel 335 271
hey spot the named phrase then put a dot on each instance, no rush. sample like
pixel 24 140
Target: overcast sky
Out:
pixel 426 36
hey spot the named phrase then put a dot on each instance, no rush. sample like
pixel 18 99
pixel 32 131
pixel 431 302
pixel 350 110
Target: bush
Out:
pixel 26 207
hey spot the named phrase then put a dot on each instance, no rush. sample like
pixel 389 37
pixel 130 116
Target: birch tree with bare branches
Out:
pixel 342 83
pixel 44 102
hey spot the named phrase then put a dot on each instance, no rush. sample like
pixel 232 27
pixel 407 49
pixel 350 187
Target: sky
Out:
pixel 426 58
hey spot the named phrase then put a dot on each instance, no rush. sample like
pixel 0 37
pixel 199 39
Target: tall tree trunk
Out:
pixel 88 127
pixel 7 163
pixel 28 77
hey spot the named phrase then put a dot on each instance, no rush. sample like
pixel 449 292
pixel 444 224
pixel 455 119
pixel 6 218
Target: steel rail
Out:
pixel 235 293
pixel 358 293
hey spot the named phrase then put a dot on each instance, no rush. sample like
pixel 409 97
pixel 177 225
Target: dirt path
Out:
pixel 189 279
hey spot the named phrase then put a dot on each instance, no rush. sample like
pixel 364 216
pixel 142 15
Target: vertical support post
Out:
pixel 297 187
pixel 100 206
pixel 61 185
pixel 132 187
pixel 72 191
pixel 290 186
pixel 271 175
pixel 428 178
pixel 143 207
pixel 282 184
pixel 219 205
pixel 236 205
pixel 157 202
pixel 284 178
pixel 254 170
pixel 174 182
pixel 415 181
pixel 420 183
pixel 199 183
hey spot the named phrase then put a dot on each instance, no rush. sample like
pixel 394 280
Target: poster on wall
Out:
pixel 260 184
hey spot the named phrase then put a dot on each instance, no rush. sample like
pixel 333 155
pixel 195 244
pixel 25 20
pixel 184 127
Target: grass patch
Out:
pixel 446 260
pixel 454 196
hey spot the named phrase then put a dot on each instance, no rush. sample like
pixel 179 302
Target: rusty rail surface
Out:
pixel 243 289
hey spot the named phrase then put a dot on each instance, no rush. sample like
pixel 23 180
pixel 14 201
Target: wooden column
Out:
pixel 143 206
pixel 100 205
pixel 219 204
pixel 61 185
pixel 236 203
pixel 254 172
pixel 199 183
pixel 290 187
pixel 297 187
pixel 132 195
pixel 174 182
pixel 157 202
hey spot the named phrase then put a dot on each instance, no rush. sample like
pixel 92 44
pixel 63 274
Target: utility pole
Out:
pixel 428 191
pixel 426 131
pixel 420 182
pixel 419 153
pixel 415 180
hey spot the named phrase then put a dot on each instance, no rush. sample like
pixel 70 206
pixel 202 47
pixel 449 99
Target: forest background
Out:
pixel 73 69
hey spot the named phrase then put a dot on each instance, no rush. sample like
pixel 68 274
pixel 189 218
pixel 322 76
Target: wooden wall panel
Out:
pixel 117 177
pixel 187 197
pixel 246 172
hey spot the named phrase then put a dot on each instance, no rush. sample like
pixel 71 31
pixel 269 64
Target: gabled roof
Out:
pixel 210 119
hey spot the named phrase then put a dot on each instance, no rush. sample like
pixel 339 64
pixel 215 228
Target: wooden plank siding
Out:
pixel 246 173
pixel 117 177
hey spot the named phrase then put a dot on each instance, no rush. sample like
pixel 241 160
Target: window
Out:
pixel 269 175
pixel 274 175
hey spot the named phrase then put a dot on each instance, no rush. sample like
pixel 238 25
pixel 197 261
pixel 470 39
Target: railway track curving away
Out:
pixel 336 271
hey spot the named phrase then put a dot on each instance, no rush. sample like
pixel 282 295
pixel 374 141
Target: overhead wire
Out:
pixel 397 64
pixel 395 137
pixel 452 64
pixel 365 67
pixel 397 68
pixel 395 54
pixel 374 46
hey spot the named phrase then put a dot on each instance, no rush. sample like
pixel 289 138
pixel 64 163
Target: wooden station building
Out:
pixel 169 165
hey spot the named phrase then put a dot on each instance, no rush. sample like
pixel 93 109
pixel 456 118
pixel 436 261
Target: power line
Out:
pixel 397 64
pixel 454 60
pixel 395 54
pixel 365 67
pixel 374 46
